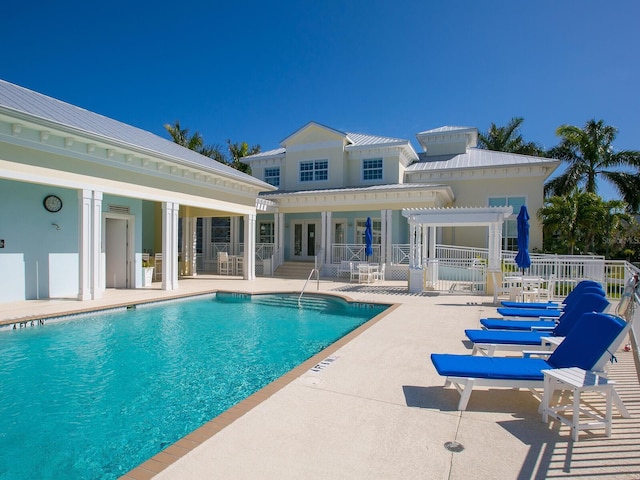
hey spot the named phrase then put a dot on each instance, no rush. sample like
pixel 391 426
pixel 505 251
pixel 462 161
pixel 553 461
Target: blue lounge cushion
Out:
pixel 489 367
pixel 591 337
pixel 585 286
pixel 510 304
pixel 529 312
pixel 503 324
pixel 506 337
pixel 585 345
pixel 589 302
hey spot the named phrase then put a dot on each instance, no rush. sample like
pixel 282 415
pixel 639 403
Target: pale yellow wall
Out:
pixel 476 192
pixel 315 143
pixel 390 171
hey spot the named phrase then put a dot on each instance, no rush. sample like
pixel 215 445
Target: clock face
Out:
pixel 52 203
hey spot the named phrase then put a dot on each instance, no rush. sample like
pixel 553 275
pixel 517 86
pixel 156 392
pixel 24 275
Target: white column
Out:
pixel 189 245
pixel 97 265
pixel 388 229
pixel 495 246
pixel 234 237
pixel 412 244
pixel 249 264
pixel 281 237
pixel 89 242
pixel 424 244
pixel 84 245
pixel 433 239
pixel 170 245
pixel 327 221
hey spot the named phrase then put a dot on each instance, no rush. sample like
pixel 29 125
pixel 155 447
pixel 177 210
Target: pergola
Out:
pixel 423 223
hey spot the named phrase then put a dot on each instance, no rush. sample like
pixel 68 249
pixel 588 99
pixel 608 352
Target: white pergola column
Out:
pixel 495 246
pixel 170 245
pixel 89 242
pixel 249 264
pixel 433 240
pixel 281 238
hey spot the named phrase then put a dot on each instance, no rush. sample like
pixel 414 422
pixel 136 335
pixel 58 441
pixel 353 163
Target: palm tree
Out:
pixel 193 142
pixel 614 220
pixel 239 150
pixel 572 218
pixel 589 154
pixel 508 139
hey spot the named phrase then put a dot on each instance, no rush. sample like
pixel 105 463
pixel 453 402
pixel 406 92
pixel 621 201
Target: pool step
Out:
pixel 297 270
pixel 307 301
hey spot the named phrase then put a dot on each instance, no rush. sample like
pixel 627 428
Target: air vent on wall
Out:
pixel 119 209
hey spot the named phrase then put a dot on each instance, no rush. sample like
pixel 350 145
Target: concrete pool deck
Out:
pixel 379 409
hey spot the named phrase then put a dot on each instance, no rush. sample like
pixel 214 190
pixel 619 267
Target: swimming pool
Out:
pixel 96 396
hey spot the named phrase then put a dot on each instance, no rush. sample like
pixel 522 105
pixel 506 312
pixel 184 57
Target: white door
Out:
pixel 306 240
pixel 116 253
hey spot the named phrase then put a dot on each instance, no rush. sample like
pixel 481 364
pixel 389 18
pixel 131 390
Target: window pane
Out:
pixel 372 169
pixel 317 170
pixel 272 176
pixel 220 230
pixel 266 232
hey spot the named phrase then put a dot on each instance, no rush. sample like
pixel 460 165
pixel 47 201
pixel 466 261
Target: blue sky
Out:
pixel 257 71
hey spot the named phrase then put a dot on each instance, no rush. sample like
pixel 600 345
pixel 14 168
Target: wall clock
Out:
pixel 52 203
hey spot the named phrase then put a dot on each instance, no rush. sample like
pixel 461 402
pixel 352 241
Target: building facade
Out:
pixel 329 182
pixel 85 200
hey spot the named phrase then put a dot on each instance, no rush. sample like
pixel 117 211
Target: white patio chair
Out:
pixel 379 274
pixel 354 272
pixel 224 264
pixel 157 263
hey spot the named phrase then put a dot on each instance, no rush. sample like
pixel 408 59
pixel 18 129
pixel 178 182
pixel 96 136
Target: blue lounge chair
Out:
pixel 576 292
pixel 488 341
pixel 588 302
pixel 589 345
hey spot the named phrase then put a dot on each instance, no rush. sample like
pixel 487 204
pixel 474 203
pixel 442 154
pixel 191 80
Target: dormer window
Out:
pixel 314 171
pixel 272 176
pixel 372 169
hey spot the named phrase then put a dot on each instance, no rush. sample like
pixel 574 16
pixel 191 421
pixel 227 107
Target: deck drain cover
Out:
pixel 454 446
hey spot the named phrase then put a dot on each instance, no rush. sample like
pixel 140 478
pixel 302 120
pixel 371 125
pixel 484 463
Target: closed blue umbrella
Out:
pixel 522 258
pixel 368 238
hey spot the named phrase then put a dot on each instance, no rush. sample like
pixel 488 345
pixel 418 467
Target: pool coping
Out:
pixel 179 449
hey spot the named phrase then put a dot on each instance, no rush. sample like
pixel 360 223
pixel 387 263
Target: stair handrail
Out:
pixel 307 281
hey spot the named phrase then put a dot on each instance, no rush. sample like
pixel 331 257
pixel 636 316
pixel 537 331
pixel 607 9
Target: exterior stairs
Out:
pixel 297 270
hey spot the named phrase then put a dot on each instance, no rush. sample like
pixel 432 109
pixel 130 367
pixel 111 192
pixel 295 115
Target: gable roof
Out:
pixel 353 142
pixel 22 103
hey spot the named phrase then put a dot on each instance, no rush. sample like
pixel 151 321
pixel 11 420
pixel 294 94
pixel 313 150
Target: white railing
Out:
pixel 635 331
pixel 400 254
pixel 353 253
pixel 264 250
pixel 220 247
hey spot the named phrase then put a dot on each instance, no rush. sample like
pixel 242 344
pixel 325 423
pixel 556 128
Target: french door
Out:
pixel 306 240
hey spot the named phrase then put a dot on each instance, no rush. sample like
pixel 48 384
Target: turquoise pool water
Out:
pixel 95 396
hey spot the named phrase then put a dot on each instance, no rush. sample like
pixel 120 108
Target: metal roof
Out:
pixel 371 188
pixel 448 129
pixel 476 158
pixel 355 140
pixel 40 108
pixel 362 140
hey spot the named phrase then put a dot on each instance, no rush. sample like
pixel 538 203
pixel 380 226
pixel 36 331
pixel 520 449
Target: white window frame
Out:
pixel 368 169
pixel 509 227
pixel 270 237
pixel 319 168
pixel 273 171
